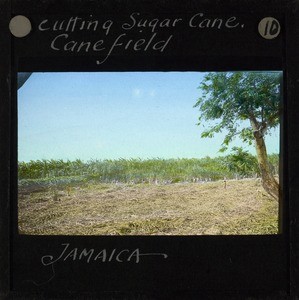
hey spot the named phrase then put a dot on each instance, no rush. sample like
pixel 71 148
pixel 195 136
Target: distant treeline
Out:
pixel 238 164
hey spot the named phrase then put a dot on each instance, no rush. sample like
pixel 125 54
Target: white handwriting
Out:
pixel 93 255
pixel 153 24
pixel 200 21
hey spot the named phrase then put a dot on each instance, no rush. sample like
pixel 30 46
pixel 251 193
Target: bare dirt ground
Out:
pixel 148 209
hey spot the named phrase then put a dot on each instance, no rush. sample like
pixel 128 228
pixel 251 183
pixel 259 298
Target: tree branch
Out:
pixel 259 128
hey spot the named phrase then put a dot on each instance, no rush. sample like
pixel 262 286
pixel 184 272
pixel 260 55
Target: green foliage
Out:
pixel 55 172
pixel 241 162
pixel 123 170
pixel 50 168
pixel 274 162
pixel 230 98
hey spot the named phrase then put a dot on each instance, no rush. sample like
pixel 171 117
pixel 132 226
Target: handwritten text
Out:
pixel 89 255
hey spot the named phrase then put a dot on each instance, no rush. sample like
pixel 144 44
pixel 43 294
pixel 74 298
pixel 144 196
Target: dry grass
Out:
pixel 144 209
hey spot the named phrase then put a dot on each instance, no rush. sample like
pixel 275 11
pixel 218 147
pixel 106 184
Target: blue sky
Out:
pixel 111 115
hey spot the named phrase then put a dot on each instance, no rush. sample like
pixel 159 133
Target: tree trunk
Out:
pixel 269 183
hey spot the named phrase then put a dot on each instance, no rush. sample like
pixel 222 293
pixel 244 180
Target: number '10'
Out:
pixel 271 28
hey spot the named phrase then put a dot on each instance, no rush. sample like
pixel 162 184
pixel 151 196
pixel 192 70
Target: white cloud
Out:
pixel 152 93
pixel 137 92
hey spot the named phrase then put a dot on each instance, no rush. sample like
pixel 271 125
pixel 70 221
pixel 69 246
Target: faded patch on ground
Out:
pixel 148 209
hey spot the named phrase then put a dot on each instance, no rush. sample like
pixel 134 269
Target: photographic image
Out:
pixel 149 153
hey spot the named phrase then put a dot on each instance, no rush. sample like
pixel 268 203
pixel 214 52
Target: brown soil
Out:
pixel 147 209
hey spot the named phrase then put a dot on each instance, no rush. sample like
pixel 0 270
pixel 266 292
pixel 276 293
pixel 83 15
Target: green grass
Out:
pixel 47 173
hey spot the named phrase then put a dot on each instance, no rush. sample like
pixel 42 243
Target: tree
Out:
pixel 229 99
pixel 241 162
